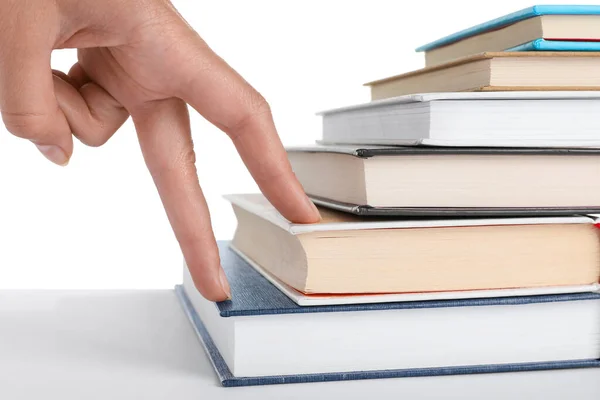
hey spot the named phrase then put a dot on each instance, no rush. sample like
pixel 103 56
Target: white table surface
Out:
pixel 138 344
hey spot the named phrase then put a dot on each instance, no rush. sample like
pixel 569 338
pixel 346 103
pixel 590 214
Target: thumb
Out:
pixel 27 101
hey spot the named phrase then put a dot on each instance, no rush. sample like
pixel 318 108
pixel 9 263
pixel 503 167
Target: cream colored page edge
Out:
pixel 316 300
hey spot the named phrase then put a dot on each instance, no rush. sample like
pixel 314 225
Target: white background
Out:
pixel 98 223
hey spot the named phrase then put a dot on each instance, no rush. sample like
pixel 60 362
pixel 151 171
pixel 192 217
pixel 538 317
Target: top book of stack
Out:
pixel 552 28
pixel 545 48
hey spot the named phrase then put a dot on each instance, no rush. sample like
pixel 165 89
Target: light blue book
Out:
pixel 262 337
pixel 556 45
pixel 512 18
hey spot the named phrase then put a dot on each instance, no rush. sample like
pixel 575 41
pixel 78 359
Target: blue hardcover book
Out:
pixel 262 337
pixel 509 19
pixel 519 31
pixel 556 45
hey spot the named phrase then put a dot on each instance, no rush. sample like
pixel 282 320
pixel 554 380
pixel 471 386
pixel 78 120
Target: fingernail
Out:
pixel 224 283
pixel 54 154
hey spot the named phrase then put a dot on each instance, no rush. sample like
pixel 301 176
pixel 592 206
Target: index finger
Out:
pixel 224 98
pixel 164 133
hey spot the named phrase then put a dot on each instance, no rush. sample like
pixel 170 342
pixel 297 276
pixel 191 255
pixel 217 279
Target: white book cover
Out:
pixel 257 204
pixel 556 144
pixel 507 95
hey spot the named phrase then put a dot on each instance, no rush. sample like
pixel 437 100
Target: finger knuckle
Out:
pixel 155 22
pixel 93 141
pixel 255 108
pixel 25 124
pixel 184 162
pixel 186 158
pixel 258 105
pixel 95 136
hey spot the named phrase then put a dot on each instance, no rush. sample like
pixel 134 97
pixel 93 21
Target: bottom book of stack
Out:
pixel 263 337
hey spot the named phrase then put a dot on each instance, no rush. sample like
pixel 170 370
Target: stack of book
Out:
pixel 458 233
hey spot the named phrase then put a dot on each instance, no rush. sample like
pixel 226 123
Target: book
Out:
pixel 498 71
pixel 449 181
pixel 557 45
pixel 345 254
pixel 553 22
pixel 325 299
pixel 261 337
pixel 483 119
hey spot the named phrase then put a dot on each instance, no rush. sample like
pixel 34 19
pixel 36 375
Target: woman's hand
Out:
pixel 140 58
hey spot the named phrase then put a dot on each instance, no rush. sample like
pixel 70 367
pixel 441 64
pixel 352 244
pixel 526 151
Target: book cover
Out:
pixel 557 45
pixel 368 151
pixel 449 212
pixel 511 18
pixel 427 97
pixel 253 295
pixel 255 203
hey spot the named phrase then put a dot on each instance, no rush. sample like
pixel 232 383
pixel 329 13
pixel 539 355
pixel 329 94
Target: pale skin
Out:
pixel 140 58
